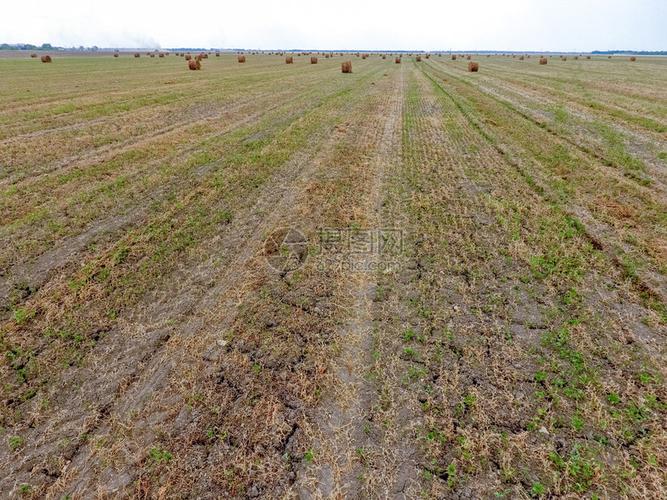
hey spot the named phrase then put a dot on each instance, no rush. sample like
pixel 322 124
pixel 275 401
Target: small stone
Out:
pixel 543 430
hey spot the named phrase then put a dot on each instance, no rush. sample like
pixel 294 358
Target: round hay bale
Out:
pixel 115 55
pixel 633 59
pixel 46 59
pixel 453 57
pixel 161 54
pixel 33 55
pixel 397 60
pixel 136 54
pixel 473 67
pixel 346 67
pixel 313 60
pixel 543 60
pixel 289 60
pixel 419 58
pixel 240 59
pixel 188 57
pixel 194 64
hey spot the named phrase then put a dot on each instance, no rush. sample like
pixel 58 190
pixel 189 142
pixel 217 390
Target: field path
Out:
pixel 340 428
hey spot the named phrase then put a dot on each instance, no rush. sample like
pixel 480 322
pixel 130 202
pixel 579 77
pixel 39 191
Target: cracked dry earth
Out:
pixel 478 309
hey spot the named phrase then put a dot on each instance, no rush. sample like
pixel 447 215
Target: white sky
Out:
pixel 565 25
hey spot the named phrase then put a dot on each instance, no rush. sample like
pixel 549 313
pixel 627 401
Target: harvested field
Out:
pixel 279 281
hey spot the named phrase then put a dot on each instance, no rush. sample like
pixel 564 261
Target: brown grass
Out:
pixel 346 67
pixel 473 67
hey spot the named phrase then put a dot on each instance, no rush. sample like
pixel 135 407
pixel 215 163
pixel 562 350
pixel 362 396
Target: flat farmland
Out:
pixel 278 280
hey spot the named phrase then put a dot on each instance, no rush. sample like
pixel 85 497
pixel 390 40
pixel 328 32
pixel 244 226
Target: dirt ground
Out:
pixel 264 280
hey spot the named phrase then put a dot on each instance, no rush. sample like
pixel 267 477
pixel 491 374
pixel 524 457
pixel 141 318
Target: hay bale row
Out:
pixel 346 67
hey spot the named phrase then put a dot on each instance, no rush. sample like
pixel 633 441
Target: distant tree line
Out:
pixel 637 52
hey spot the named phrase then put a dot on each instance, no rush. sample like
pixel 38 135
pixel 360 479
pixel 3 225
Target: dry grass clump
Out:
pixel 313 60
pixel 289 60
pixel 194 64
pixel 46 59
pixel 240 59
pixel 543 60
pixel 473 67
pixel 346 67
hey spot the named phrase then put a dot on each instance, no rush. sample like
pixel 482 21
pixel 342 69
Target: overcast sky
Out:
pixel 557 25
